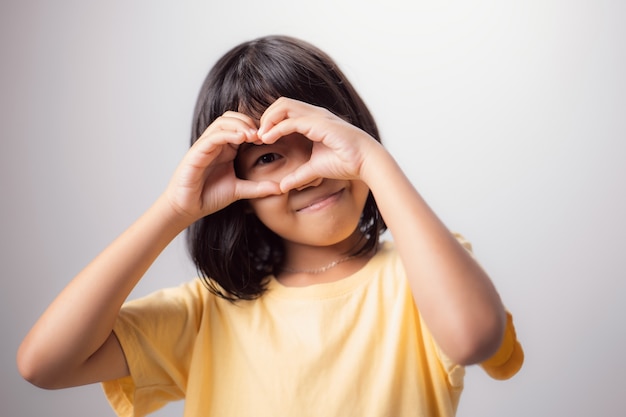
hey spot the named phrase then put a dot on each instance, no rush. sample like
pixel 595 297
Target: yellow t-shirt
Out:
pixel 355 347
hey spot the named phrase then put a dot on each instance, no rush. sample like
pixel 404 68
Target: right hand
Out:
pixel 205 180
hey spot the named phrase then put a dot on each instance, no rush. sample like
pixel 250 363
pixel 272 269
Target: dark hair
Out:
pixel 233 251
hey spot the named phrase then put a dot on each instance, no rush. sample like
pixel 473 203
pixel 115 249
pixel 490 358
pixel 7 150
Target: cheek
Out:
pixel 268 209
pixel 361 191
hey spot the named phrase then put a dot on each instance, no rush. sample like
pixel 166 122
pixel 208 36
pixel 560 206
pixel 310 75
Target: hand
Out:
pixel 205 180
pixel 339 148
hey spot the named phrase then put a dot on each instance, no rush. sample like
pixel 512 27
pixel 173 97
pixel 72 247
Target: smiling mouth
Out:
pixel 322 202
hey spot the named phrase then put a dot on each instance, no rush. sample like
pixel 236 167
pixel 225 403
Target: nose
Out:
pixel 313 183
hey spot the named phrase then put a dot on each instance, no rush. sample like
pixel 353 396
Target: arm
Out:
pixel 455 296
pixel 72 343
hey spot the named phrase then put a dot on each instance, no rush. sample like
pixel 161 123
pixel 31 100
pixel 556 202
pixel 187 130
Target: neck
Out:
pixel 303 279
pixel 317 265
pixel 319 269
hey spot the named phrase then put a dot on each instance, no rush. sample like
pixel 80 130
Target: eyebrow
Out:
pixel 245 147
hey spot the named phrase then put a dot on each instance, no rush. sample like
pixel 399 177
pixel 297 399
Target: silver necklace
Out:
pixel 317 270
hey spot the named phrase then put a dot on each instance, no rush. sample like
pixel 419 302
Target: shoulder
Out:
pixel 387 260
pixel 386 253
pixel 187 299
pixel 191 291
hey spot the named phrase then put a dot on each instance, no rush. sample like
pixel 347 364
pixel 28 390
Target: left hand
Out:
pixel 339 148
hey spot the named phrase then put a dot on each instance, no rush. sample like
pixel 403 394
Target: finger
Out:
pixel 232 121
pixel 279 130
pixel 211 142
pixel 283 108
pixel 233 128
pixel 308 126
pixel 252 189
pixel 303 175
pixel 247 120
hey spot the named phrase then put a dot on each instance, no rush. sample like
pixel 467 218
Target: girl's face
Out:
pixel 323 213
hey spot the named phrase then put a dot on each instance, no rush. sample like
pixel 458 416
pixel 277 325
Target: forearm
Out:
pixel 80 320
pixel 453 293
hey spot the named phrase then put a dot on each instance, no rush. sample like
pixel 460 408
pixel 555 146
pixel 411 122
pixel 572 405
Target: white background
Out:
pixel 509 117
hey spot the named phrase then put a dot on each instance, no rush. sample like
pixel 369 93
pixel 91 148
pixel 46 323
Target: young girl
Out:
pixel 301 310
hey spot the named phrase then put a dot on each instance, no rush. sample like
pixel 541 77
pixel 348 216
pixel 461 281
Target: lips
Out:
pixel 321 202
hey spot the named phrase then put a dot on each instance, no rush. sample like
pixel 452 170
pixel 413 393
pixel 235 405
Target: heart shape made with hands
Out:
pixel 337 148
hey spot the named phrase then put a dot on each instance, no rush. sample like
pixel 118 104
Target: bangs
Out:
pixel 259 79
pixel 232 249
pixel 251 77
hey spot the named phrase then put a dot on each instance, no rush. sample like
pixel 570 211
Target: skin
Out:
pixel 316 183
pixel 317 220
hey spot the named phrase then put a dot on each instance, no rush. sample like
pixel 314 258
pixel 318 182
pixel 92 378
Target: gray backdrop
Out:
pixel 510 118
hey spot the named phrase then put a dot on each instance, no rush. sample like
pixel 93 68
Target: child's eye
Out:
pixel 267 158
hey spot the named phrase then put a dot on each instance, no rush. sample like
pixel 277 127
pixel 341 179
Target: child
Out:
pixel 285 193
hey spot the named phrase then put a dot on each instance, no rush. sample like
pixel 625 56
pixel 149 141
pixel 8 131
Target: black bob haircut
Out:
pixel 232 250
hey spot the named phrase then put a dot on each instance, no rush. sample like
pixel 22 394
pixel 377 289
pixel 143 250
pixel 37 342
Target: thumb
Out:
pixel 302 176
pixel 252 189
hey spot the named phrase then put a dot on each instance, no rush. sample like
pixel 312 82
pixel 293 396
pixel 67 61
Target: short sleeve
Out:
pixel 157 334
pixel 464 242
pixel 508 359
pixel 455 372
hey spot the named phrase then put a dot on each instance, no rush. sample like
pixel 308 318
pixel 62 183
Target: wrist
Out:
pixel 172 218
pixel 376 160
